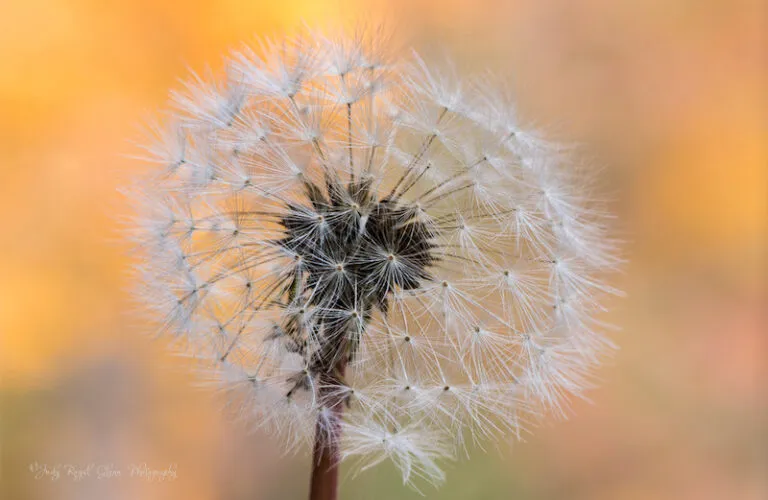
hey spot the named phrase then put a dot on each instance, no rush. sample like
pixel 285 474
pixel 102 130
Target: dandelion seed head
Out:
pixel 330 226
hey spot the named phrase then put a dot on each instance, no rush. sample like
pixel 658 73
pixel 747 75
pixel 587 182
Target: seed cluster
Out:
pixel 352 251
pixel 332 228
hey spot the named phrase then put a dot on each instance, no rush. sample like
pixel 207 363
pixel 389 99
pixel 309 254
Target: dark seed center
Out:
pixel 356 230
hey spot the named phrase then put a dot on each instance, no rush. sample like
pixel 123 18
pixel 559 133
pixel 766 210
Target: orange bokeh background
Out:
pixel 671 95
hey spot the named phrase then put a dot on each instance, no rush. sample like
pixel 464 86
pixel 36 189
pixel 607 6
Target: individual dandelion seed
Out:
pixel 372 257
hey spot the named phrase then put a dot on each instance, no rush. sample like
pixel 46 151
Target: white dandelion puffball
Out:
pixel 368 253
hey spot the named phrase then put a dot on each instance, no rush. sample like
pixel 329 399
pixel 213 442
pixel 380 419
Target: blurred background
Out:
pixel 671 96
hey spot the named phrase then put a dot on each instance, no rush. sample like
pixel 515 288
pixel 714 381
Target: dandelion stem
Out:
pixel 325 469
pixel 324 484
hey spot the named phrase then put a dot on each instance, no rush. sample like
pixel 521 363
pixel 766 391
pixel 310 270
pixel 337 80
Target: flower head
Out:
pixel 371 252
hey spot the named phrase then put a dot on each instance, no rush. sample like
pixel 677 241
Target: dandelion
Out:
pixel 371 257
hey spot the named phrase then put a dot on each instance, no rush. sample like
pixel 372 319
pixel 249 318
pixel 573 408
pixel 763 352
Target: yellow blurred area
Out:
pixel 671 94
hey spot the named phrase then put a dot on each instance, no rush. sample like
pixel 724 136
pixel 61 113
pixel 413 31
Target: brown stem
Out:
pixel 324 484
pixel 325 463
